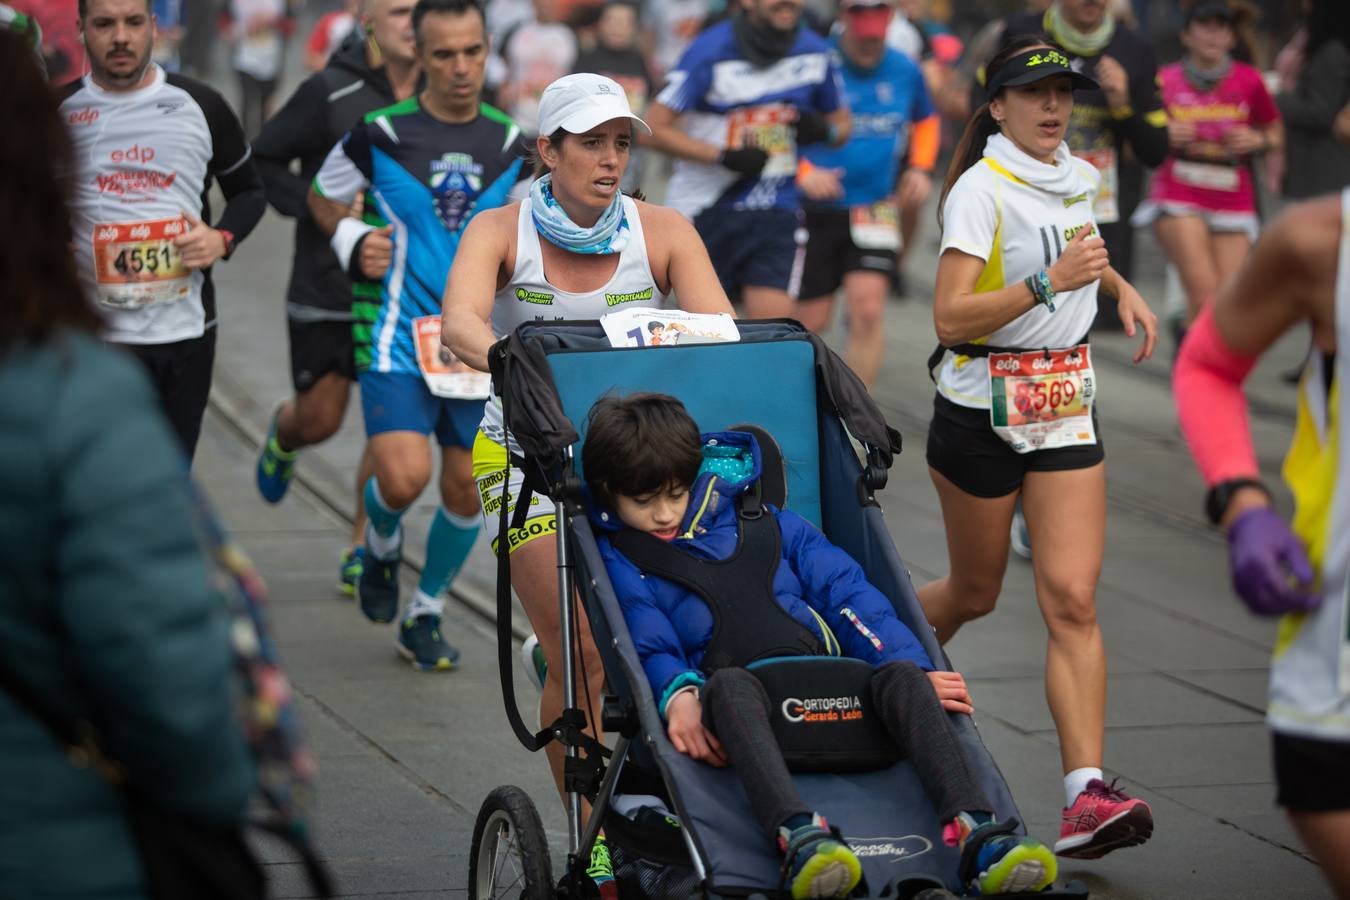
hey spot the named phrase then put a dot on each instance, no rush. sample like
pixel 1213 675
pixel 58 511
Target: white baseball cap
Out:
pixel 577 103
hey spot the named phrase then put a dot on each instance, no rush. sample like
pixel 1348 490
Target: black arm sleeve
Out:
pixel 232 165
pixel 1145 128
pixel 297 131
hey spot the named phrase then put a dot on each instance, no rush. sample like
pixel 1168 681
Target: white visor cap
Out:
pixel 577 103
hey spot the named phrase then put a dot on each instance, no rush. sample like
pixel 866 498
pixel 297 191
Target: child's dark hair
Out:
pixel 639 444
pixel 982 126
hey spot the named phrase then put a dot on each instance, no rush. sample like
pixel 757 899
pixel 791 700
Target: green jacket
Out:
pixel 105 607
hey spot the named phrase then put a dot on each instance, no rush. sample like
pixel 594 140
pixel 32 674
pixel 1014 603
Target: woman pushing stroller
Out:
pixel 652 477
pixel 576 248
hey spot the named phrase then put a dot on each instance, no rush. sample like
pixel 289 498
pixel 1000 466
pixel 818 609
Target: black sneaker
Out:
pixel 377 589
pixel 420 642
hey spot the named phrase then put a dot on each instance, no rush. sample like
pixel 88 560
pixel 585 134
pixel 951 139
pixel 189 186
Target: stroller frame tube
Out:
pixel 605 793
pixel 569 685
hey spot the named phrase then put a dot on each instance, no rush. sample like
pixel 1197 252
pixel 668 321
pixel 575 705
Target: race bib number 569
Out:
pixel 1041 400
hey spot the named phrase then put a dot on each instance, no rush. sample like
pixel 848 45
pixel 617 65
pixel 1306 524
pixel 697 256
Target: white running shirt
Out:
pixel 144 158
pixel 1310 674
pixel 1017 229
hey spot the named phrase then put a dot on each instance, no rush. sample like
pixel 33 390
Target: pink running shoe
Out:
pixel 1102 819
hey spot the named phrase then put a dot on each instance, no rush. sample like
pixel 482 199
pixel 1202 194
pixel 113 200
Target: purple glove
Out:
pixel 1271 572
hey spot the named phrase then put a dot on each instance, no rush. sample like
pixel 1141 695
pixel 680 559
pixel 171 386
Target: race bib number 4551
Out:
pixel 1041 400
pixel 137 264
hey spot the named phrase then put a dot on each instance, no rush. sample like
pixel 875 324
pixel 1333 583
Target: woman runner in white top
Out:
pixel 601 252
pixel 1016 293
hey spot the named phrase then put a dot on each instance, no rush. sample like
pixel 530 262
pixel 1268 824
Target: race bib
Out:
pixel 875 227
pixel 1041 400
pixel 1206 175
pixel 446 376
pixel 770 129
pixel 136 264
pixel 1106 209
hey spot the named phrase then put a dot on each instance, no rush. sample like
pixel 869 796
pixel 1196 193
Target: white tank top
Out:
pixel 529 297
pixel 1310 675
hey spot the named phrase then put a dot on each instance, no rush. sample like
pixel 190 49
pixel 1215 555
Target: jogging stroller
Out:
pixel 678 828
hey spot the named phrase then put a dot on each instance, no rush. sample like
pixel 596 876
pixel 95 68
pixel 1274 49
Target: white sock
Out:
pixel 423 604
pixel 1077 781
pixel 382 547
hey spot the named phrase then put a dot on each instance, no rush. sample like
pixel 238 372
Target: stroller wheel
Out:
pixel 509 858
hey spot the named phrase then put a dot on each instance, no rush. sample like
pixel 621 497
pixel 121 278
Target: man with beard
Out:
pixel 329 317
pixel 148 145
pixel 430 163
pixel 744 96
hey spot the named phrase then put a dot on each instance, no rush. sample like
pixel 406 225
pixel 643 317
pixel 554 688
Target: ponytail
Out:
pixel 970 149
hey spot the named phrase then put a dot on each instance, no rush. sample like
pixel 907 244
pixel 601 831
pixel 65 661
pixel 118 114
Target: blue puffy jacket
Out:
pixel 818 584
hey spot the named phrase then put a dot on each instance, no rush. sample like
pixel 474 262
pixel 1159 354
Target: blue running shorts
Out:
pixel 755 247
pixel 393 401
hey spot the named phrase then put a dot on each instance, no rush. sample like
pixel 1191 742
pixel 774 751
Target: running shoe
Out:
pixel 532 660
pixel 276 467
pixel 1020 537
pixel 420 642
pixel 817 863
pixel 353 558
pixel 994 860
pixel 1103 818
pixel 601 870
pixel 377 588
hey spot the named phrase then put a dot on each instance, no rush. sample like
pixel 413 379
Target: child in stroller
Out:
pixel 644 460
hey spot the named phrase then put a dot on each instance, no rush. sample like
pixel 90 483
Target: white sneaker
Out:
pixel 533 662
pixel 1018 534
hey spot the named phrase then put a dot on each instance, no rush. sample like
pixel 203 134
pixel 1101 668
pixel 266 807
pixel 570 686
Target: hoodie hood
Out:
pixel 731 466
pixel 352 57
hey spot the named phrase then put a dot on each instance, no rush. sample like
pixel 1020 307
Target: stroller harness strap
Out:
pixel 748 623
pixel 824 717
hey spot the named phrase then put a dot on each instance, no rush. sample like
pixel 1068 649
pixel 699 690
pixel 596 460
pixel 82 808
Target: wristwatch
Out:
pixel 228 237
pixel 1219 496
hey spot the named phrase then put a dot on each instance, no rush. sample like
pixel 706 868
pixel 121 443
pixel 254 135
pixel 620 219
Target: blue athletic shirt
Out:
pixel 427 178
pixel 726 101
pixel 885 102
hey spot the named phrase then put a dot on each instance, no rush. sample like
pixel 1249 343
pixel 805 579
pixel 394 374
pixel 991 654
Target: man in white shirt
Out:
pixel 148 145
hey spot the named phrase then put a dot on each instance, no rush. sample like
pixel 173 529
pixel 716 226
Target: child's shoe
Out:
pixel 601 870
pixel 994 860
pixel 816 864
